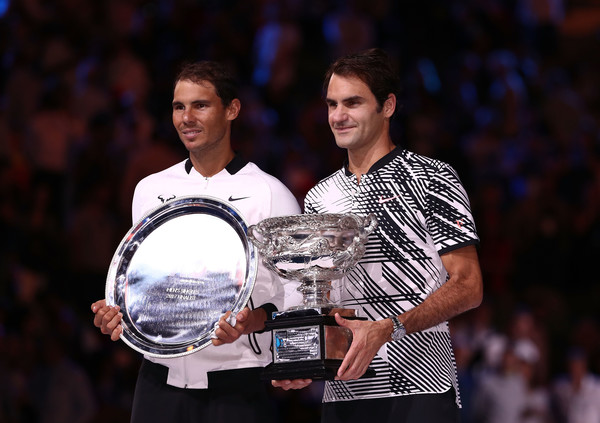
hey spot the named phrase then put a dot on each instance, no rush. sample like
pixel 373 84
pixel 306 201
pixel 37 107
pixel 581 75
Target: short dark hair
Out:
pixel 373 67
pixel 217 74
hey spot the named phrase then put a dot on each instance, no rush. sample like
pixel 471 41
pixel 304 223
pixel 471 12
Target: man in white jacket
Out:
pixel 221 382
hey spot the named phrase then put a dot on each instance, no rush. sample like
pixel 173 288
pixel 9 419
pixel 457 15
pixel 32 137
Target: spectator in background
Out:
pixel 61 388
pixel 513 393
pixel 577 393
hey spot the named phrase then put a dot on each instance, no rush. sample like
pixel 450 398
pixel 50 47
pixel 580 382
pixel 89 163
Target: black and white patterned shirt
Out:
pixel 422 211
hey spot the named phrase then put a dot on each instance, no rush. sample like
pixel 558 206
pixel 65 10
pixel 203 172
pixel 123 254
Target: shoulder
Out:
pixel 270 189
pixel 424 171
pixel 421 162
pixel 252 170
pixel 262 179
pixel 330 193
pixel 165 176
pixel 155 188
pixel 327 181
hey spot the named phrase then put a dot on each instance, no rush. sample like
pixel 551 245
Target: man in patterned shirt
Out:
pixel 421 266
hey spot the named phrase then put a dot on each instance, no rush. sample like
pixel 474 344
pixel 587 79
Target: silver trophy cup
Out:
pixel 313 249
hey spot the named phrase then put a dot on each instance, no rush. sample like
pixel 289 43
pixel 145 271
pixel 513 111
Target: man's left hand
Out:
pixel 246 321
pixel 367 339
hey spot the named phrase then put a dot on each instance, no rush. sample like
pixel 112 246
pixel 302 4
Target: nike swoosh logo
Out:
pixel 385 200
pixel 232 198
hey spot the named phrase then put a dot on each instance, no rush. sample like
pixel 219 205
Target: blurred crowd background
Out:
pixel 506 91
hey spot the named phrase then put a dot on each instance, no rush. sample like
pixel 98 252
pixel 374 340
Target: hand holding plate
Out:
pixel 108 319
pixel 230 328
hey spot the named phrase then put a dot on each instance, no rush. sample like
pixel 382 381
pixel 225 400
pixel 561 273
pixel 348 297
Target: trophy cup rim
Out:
pixel 284 238
pixel 326 221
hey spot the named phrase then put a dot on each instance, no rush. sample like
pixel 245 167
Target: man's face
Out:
pixel 353 116
pixel 199 116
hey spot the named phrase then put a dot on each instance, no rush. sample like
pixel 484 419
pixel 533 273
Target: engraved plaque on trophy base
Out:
pixel 307 345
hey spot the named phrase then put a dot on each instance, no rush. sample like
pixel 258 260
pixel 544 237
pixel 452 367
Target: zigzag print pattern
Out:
pixel 422 211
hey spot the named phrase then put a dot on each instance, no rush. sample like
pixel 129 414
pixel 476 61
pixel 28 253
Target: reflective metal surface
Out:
pixel 296 344
pixel 177 271
pixel 312 248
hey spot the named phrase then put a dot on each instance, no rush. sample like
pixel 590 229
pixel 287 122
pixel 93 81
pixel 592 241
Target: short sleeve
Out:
pixel 448 212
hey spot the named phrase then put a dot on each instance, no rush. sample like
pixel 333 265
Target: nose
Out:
pixel 338 114
pixel 187 116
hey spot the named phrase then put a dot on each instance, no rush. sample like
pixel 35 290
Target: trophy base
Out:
pixel 314 369
pixel 315 310
pixel 306 345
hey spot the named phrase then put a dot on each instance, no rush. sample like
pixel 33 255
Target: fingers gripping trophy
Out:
pixel 313 249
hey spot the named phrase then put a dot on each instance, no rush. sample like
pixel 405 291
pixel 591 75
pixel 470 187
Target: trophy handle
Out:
pixel 370 223
pixel 256 238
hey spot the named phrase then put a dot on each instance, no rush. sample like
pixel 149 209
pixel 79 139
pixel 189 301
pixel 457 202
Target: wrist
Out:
pixel 388 326
pixel 398 330
pixel 262 314
pixel 258 319
pixel 269 309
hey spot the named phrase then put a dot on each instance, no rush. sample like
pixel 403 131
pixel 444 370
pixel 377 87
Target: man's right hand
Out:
pixel 291 384
pixel 108 319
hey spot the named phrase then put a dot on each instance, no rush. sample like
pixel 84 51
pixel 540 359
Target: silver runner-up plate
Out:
pixel 175 273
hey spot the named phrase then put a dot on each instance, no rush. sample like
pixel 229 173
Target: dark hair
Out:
pixel 218 75
pixel 373 67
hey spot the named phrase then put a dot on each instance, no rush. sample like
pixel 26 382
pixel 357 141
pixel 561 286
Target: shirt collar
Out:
pixel 233 167
pixel 379 163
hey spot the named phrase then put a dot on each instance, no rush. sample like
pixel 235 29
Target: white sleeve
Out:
pixel 135 209
pixel 139 204
pixel 269 287
pixel 285 206
pixel 283 201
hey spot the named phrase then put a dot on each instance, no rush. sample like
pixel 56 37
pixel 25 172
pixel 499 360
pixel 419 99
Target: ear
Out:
pixel 233 110
pixel 389 105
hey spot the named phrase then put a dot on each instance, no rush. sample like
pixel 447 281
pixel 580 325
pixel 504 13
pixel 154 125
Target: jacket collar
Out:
pixel 379 163
pixel 233 167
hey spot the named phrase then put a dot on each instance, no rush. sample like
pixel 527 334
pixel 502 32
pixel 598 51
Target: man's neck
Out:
pixel 361 160
pixel 210 163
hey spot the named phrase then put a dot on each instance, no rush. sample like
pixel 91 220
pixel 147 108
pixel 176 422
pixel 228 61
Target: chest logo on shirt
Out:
pixel 232 198
pixel 385 200
pixel 163 198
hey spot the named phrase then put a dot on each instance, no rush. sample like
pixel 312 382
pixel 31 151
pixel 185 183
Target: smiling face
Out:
pixel 200 118
pixel 356 120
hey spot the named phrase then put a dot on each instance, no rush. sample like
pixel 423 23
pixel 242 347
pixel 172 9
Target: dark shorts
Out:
pixel 234 396
pixel 438 408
